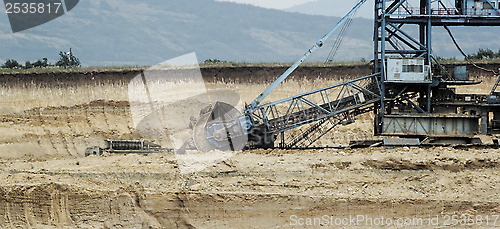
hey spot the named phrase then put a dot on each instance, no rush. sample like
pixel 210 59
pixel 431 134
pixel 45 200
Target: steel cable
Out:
pixel 340 38
pixel 466 57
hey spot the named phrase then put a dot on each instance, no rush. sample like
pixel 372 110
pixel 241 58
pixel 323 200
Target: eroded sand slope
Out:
pixel 45 181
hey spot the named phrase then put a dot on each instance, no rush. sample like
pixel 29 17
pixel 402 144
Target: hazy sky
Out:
pixel 341 7
pixel 276 4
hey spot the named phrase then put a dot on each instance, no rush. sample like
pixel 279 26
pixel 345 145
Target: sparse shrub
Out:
pixel 484 54
pixel 67 60
pixel 12 64
pixel 446 60
pixel 222 63
pixel 41 63
pixel 215 61
pixel 28 65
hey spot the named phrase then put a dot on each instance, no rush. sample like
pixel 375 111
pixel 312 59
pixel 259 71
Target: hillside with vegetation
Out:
pixel 126 32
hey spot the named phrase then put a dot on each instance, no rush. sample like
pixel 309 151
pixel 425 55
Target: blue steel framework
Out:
pixel 425 108
pixel 393 37
pixel 326 108
pixel 323 108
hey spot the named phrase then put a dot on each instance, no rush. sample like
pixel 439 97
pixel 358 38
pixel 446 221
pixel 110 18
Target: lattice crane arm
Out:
pixel 290 70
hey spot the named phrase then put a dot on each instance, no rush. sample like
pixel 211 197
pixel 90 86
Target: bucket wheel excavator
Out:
pixel 411 94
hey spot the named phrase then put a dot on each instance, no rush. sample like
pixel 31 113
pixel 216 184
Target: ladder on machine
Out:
pixel 324 109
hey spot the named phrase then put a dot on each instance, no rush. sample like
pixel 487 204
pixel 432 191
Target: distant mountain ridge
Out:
pixel 333 8
pixel 126 32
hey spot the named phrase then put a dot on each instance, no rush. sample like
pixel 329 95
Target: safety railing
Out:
pixel 402 10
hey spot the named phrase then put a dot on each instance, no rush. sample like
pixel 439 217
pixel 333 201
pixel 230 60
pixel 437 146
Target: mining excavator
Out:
pixel 411 94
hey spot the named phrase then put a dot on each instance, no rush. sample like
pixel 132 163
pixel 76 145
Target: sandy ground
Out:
pixel 46 182
pixel 253 189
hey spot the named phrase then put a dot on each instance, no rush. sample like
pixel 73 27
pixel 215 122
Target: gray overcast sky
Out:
pixel 276 4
